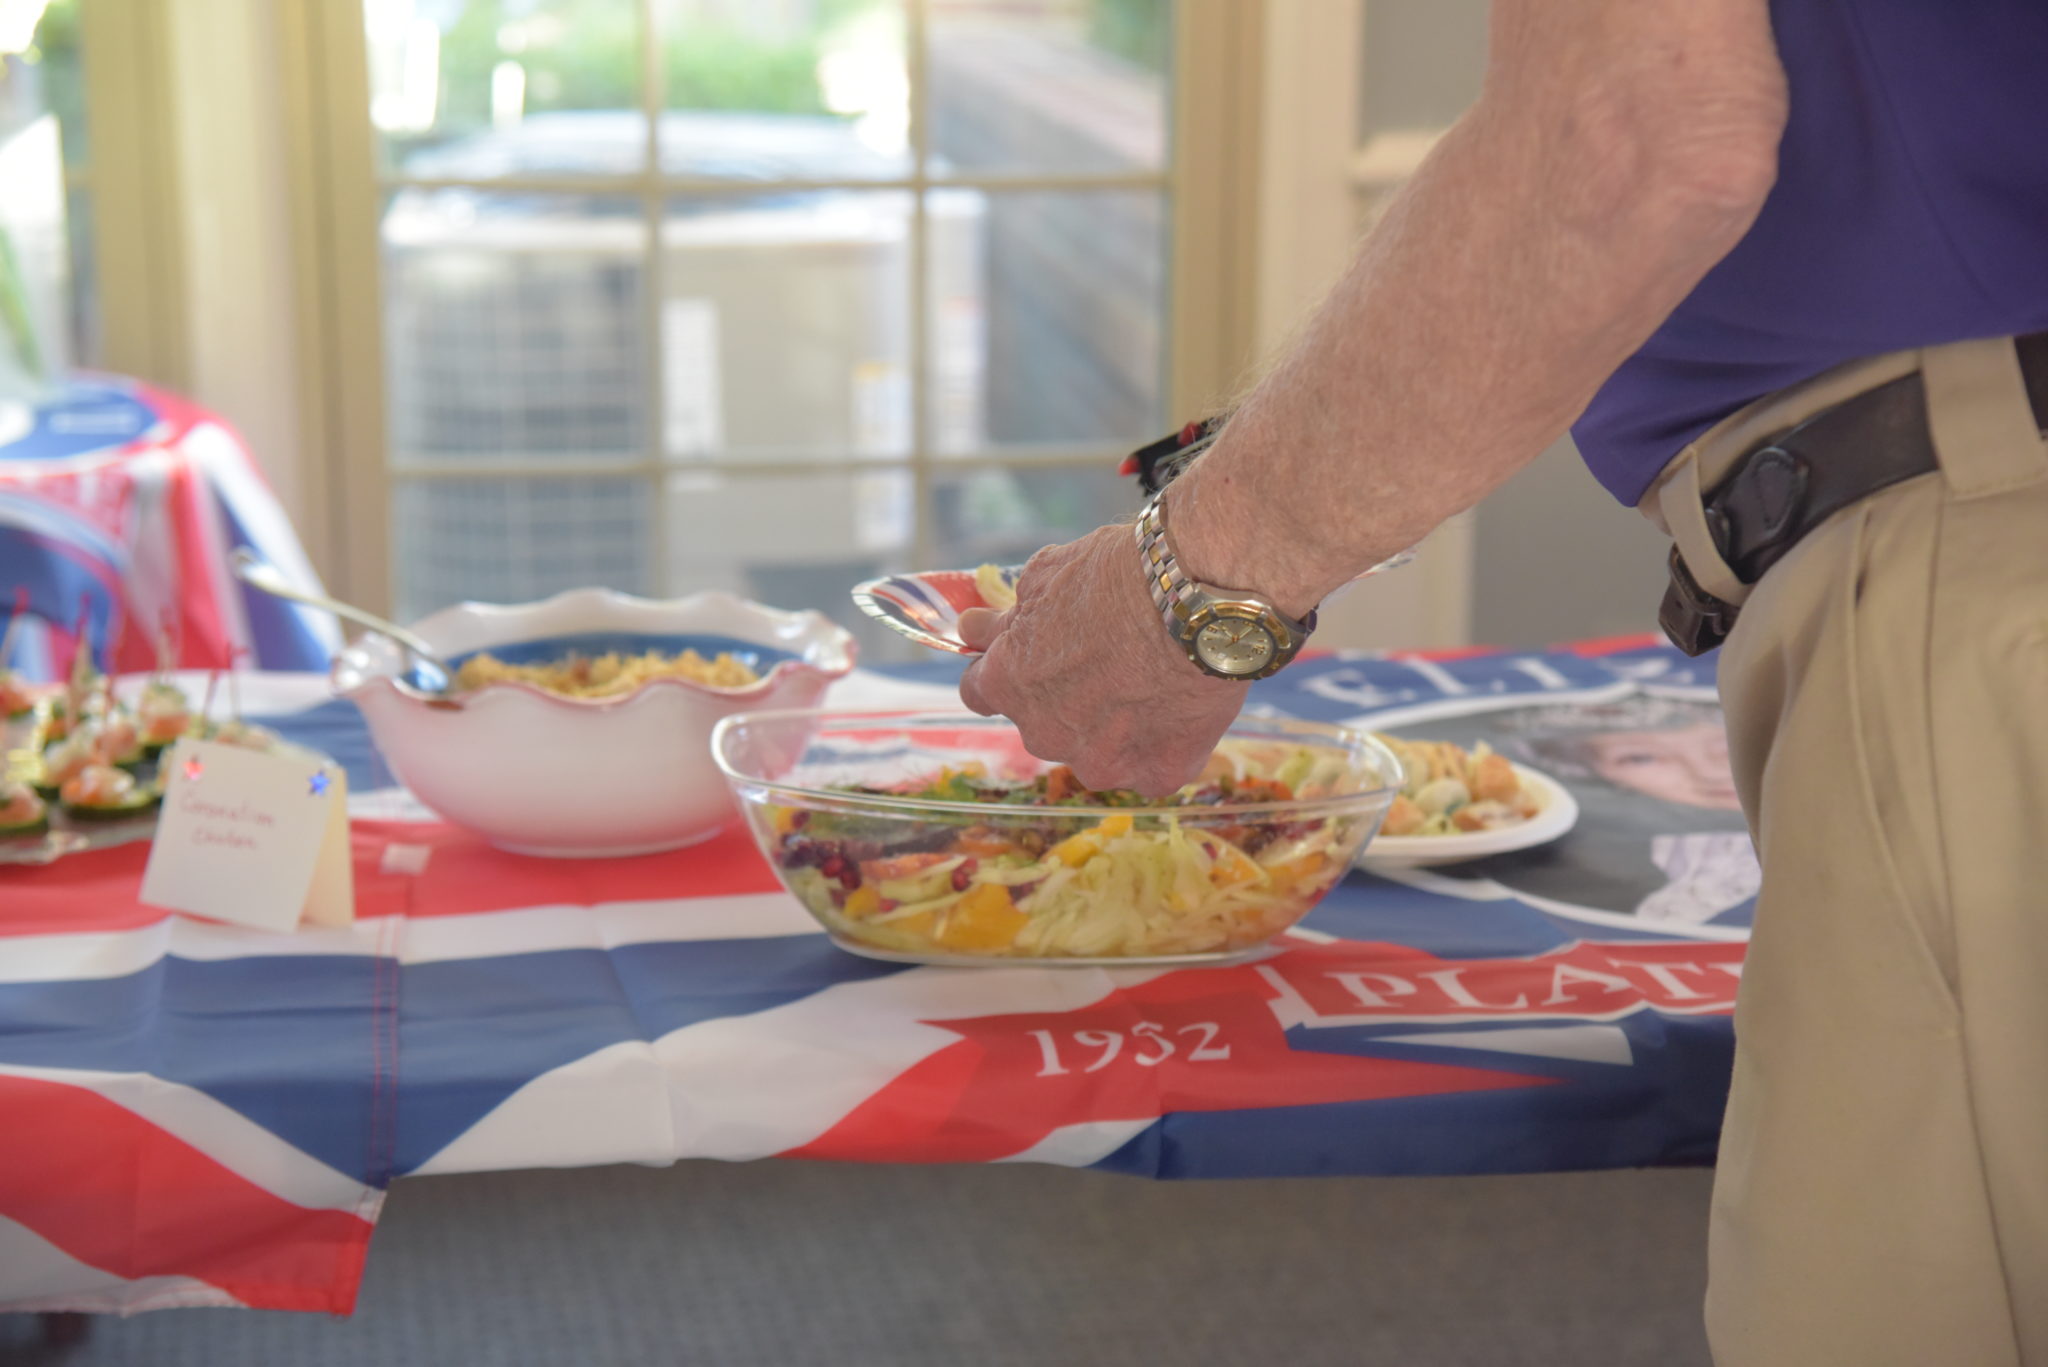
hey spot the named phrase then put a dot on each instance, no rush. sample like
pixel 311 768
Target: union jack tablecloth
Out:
pixel 195 1114
pixel 128 501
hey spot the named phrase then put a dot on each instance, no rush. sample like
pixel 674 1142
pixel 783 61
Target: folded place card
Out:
pixel 260 839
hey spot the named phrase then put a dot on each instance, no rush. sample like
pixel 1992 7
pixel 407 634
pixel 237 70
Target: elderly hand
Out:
pixel 1087 672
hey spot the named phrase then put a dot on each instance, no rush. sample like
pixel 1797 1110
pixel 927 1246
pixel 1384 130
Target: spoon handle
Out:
pixel 255 573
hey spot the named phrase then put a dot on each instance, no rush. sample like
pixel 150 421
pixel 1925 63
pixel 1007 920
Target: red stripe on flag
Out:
pixel 1194 1040
pixel 1613 645
pixel 99 891
pixel 206 640
pixel 119 1194
pixel 466 874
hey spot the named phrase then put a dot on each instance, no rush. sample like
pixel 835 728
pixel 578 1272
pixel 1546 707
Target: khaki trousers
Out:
pixel 1882 1192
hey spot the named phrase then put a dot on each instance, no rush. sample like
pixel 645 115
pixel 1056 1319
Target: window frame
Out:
pixel 1208 183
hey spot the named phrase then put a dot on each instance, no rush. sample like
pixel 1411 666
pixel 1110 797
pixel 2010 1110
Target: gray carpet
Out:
pixel 791 1265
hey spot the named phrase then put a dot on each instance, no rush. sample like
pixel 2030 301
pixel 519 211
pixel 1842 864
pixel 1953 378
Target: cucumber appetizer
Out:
pixel 165 715
pixel 120 740
pixel 163 711
pixel 100 792
pixel 17 699
pixel 65 758
pixel 23 814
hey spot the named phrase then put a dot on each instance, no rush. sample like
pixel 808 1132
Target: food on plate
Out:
pixel 23 813
pixel 101 792
pixel 1449 790
pixel 65 758
pixel 608 675
pixel 1025 879
pixel 107 735
pixel 164 714
pixel 58 718
pixel 994 585
pixel 119 740
pixel 83 697
pixel 17 698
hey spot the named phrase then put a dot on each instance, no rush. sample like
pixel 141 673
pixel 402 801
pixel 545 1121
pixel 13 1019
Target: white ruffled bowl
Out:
pixel 537 773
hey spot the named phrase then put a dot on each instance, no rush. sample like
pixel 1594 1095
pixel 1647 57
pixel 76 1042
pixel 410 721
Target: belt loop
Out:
pixel 1683 505
pixel 1980 418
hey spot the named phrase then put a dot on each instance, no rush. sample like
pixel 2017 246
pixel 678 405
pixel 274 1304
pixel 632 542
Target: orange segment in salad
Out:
pixel 985 919
pixel 1232 865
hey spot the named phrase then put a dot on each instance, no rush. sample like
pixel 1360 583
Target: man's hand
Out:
pixel 1086 670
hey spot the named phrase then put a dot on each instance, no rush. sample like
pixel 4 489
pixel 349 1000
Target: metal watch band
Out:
pixel 1185 606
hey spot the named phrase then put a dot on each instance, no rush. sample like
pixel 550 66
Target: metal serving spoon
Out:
pixel 429 668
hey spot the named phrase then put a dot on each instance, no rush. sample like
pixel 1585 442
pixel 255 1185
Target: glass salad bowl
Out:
pixel 936 838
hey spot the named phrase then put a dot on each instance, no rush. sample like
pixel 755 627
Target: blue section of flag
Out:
pixel 473 1031
pixel 1364 907
pixel 286 1040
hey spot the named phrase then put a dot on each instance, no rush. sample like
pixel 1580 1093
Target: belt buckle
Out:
pixel 1695 620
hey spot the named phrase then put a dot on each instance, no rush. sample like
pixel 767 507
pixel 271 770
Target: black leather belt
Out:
pixel 1779 492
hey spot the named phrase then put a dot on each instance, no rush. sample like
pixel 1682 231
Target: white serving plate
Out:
pixel 1560 813
pixel 926 606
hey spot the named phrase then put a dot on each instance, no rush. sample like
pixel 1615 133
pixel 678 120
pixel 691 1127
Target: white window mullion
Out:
pixel 916 65
pixel 654 362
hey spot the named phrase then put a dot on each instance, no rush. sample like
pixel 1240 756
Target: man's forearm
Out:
pixel 1620 149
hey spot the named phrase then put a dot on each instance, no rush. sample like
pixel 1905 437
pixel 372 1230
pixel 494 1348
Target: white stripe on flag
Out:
pixel 41 1276
pixel 118 953
pixel 607 925
pixel 752 1086
pixel 607 1107
pixel 1079 1146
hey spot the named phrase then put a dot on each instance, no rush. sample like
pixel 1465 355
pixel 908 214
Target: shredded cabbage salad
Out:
pixel 1037 879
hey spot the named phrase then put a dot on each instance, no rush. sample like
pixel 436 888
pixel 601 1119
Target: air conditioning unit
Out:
pixel 517 332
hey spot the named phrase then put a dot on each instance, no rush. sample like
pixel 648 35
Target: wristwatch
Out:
pixel 1225 632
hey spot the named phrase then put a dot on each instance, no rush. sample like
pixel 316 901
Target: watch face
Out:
pixel 1235 646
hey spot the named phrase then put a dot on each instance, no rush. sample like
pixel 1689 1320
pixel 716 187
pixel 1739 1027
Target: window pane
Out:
pixel 784 89
pixel 488 88
pixel 1054 332
pixel 785 325
pixel 513 327
pixel 44 223
pixel 1001 516
pixel 793 541
pixel 1049 86
pixel 50 78
pixel 516 540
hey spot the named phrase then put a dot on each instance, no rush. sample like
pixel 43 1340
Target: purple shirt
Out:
pixel 1911 208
